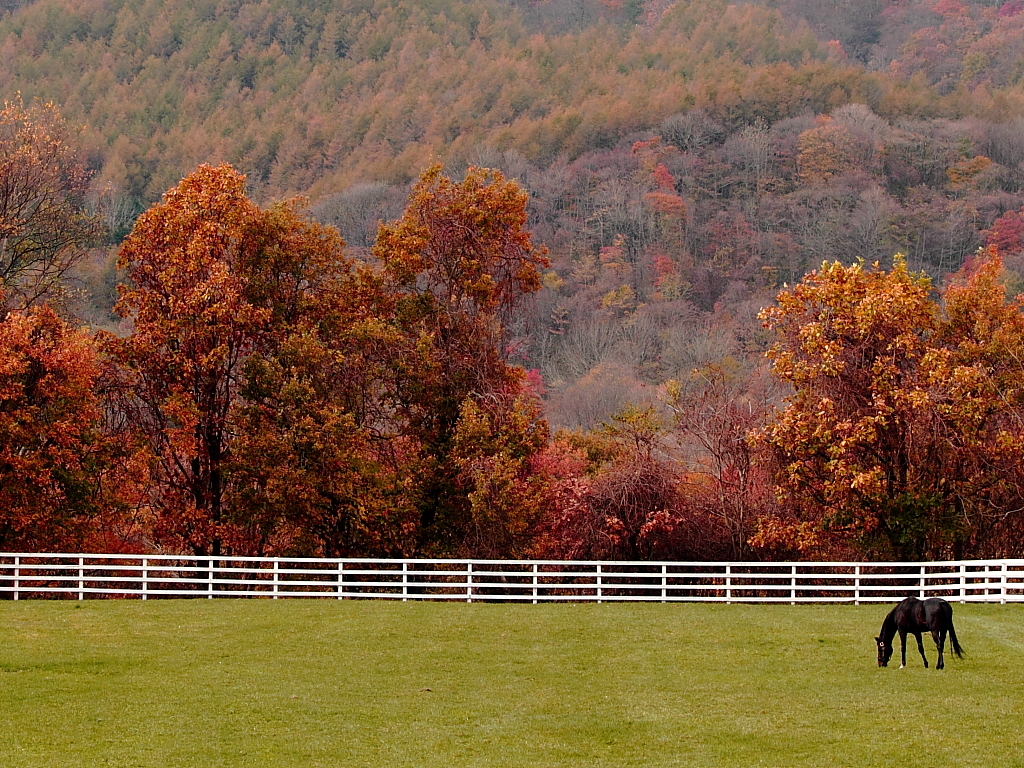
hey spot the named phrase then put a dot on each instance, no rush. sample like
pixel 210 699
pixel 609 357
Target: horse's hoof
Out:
pixel 903 666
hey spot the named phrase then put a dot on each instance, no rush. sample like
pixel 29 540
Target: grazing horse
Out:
pixel 915 616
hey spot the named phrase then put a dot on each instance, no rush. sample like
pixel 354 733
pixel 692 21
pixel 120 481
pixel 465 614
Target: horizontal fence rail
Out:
pixel 67 576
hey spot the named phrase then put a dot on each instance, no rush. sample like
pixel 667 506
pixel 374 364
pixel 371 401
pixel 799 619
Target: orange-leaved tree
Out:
pixel 455 266
pixel 973 374
pixel 319 466
pixel 216 281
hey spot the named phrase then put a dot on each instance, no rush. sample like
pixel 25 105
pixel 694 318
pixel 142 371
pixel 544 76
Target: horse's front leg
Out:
pixel 920 647
pixel 939 636
pixel 903 648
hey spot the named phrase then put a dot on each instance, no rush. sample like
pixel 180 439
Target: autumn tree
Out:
pixel 458 264
pixel 636 494
pixel 902 436
pixel 616 494
pixel 714 411
pixel 850 341
pixel 496 447
pixel 319 467
pixel 1007 233
pixel 45 224
pixel 825 151
pixel 405 388
pixel 52 450
pixel 216 281
pixel 973 375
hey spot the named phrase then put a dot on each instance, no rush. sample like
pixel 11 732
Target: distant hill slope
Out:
pixel 684 160
pixel 309 95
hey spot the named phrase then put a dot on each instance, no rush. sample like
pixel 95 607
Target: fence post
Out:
pixel 274 578
pixel 469 581
pixel 341 579
pixel 534 583
pixel 600 590
pixel 405 580
pixel 792 586
pixel 81 578
pixel 1002 583
pixel 209 579
pixel 922 581
pixel 664 581
pixel 17 577
pixel 856 585
pixel 728 584
pixel 145 577
pixel 963 582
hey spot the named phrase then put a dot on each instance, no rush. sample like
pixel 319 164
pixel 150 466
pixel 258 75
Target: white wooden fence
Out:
pixel 34 576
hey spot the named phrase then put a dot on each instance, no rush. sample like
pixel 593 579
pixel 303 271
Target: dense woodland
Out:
pixel 568 279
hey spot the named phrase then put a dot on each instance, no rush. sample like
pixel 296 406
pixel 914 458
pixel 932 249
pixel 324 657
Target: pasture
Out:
pixel 275 684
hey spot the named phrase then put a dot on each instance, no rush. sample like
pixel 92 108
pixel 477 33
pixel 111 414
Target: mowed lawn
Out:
pixel 360 683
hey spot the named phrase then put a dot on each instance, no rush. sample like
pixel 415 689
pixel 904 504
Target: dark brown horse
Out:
pixel 915 616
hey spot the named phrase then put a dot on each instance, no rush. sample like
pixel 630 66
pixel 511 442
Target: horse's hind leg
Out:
pixel 939 636
pixel 920 647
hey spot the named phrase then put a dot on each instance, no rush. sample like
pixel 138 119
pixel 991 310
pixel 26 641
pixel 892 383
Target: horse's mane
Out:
pixel 889 626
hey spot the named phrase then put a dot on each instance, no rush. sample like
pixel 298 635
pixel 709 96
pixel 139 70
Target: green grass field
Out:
pixel 321 683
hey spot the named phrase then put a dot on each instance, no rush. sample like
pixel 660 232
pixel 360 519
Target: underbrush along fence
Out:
pixel 80 576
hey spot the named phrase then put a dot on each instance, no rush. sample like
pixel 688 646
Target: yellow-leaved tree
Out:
pixel 901 437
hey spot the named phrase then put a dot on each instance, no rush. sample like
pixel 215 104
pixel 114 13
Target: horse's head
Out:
pixel 884 652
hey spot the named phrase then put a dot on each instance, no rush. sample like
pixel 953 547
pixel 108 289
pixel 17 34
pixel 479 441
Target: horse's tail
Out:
pixel 953 641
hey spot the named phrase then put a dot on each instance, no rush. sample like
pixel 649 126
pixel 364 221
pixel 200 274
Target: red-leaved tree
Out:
pixel 52 451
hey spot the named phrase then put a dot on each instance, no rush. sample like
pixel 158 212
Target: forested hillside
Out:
pixel 790 132
pixel 308 96
pixel 712 351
